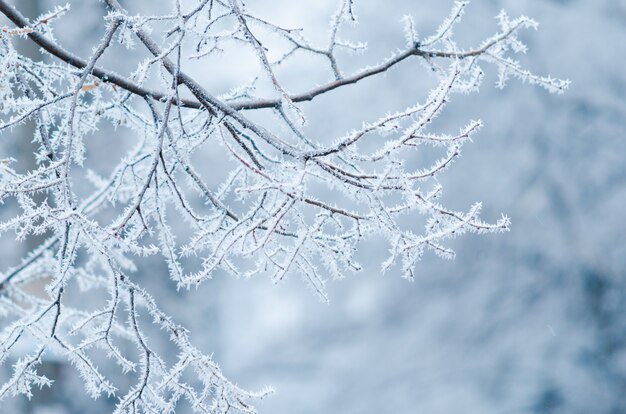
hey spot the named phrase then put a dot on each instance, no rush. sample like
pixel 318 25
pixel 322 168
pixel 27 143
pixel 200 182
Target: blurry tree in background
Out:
pixel 281 198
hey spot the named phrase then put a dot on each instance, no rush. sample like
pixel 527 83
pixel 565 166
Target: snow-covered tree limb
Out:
pixel 269 210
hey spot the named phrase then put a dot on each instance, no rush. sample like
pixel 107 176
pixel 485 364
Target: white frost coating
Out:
pixel 266 210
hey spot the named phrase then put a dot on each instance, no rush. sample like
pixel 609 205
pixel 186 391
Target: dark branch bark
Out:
pixel 106 76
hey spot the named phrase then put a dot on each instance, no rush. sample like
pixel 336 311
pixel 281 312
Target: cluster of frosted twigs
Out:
pixel 268 216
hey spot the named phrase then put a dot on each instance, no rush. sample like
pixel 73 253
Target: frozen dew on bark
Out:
pixel 267 216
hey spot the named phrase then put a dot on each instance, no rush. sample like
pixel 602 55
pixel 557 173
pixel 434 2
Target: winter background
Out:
pixel 530 321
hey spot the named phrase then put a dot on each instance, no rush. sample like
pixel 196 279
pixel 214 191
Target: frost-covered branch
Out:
pixel 292 203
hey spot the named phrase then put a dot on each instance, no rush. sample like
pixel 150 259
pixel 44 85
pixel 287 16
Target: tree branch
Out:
pixel 106 76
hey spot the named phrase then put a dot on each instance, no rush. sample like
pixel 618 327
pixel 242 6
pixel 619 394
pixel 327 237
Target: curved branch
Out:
pixel 106 76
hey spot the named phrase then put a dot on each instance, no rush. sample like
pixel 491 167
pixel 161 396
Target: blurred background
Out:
pixel 531 321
